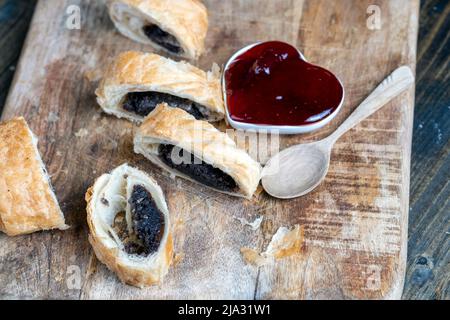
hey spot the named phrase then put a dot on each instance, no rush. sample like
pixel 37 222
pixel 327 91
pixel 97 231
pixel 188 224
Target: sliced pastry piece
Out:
pixel 129 226
pixel 135 83
pixel 197 151
pixel 178 27
pixel 27 201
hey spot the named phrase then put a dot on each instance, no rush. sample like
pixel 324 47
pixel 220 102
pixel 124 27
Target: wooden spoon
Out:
pixel 298 170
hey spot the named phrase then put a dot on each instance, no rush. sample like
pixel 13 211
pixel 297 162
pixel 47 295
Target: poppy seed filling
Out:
pixel 147 224
pixel 142 103
pixel 197 169
pixel 162 38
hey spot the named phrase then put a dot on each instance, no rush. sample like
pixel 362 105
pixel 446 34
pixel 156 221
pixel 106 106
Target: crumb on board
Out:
pixel 285 243
pixel 178 224
pixel 81 133
pixel 52 117
pixel 251 256
pixel 178 257
pixel 258 191
pixel 93 75
pixel 215 71
pixel 255 225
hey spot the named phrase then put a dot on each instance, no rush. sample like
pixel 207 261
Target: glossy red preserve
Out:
pixel 270 84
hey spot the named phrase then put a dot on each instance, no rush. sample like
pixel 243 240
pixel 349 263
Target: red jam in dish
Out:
pixel 270 84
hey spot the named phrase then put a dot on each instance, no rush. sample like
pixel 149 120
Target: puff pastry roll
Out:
pixel 195 150
pixel 135 83
pixel 129 226
pixel 178 27
pixel 27 201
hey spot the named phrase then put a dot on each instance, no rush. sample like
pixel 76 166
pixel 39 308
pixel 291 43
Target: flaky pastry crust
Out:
pixel 134 71
pixel 27 201
pixel 186 20
pixel 105 199
pixel 167 125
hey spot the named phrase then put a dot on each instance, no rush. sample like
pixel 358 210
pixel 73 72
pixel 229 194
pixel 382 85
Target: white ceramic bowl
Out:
pixel 274 128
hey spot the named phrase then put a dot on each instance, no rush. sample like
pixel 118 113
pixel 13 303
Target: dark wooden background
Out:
pixel 428 272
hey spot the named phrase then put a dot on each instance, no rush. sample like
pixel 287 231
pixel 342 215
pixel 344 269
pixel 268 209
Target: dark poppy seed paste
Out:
pixel 147 221
pixel 198 170
pixel 162 38
pixel 142 103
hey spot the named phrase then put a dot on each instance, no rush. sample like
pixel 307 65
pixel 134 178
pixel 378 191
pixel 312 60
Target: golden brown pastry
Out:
pixel 129 226
pixel 178 27
pixel 27 201
pixel 136 82
pixel 197 151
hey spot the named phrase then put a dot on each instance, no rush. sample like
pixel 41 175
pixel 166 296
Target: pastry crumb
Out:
pixel 52 117
pixel 93 75
pixel 252 257
pixel 255 225
pixel 285 243
pixel 215 72
pixel 178 257
pixel 81 133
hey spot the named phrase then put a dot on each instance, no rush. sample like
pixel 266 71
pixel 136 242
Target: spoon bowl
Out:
pixel 298 170
pixel 285 176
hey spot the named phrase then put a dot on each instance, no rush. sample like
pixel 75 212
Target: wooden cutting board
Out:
pixel 355 222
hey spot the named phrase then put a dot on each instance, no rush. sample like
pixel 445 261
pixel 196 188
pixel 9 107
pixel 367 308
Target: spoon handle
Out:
pixel 391 87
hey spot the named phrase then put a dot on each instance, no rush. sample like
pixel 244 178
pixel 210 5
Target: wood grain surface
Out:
pixel 355 222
